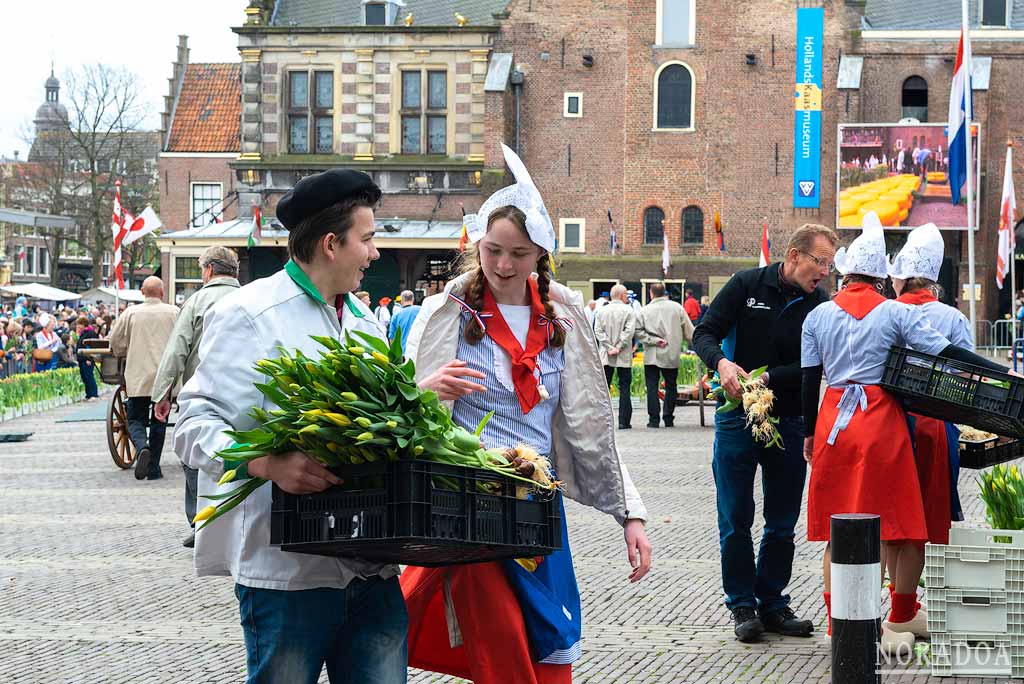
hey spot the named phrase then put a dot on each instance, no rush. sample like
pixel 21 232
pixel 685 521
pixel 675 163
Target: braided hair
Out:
pixel 474 294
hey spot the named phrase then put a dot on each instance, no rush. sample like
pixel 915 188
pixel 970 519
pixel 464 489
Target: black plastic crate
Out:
pixel 979 455
pixel 417 512
pixel 957 392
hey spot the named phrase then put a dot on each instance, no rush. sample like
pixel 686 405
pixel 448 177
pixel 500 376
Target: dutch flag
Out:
pixel 959 114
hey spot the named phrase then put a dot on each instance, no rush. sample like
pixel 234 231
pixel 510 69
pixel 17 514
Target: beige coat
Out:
pixel 583 448
pixel 141 334
pixel 181 357
pixel 615 325
pixel 663 319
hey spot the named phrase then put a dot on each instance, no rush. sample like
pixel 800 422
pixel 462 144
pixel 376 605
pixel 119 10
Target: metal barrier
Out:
pixel 1002 336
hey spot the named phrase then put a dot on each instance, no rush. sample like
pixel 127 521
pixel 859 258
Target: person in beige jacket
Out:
pixel 614 326
pixel 181 357
pixel 662 326
pixel 140 335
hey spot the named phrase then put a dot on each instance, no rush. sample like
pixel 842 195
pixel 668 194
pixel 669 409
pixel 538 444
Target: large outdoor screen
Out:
pixel 900 171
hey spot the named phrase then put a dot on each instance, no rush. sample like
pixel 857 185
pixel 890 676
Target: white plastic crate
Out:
pixel 977 559
pixel 986 655
pixel 975 611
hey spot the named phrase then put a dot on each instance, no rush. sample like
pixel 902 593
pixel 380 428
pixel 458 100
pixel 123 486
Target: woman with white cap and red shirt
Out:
pixel 526 343
pixel 914 273
pixel 859 444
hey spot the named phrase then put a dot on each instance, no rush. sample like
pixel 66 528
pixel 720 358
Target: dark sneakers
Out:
pixel 746 624
pixel 786 623
pixel 142 464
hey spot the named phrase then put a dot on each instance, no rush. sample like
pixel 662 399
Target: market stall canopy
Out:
pixel 34 218
pixel 40 291
pixel 108 295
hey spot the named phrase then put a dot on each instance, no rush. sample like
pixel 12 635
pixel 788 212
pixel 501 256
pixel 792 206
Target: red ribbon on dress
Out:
pixel 858 299
pixel 917 297
pixel 524 361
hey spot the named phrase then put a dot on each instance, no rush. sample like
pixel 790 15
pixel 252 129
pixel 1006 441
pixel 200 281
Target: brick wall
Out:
pixel 737 161
pixel 176 177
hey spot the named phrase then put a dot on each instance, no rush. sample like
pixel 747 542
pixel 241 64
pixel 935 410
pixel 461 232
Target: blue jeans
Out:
pixel 360 633
pixel 783 473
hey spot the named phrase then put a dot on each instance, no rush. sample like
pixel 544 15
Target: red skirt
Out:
pixel 869 469
pixel 931 452
pixel 494 649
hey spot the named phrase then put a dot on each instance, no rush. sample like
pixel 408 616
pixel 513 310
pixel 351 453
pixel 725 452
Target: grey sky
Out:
pixel 141 35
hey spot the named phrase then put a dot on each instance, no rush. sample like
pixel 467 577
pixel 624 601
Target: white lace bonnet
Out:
pixel 866 255
pixel 921 257
pixel 524 195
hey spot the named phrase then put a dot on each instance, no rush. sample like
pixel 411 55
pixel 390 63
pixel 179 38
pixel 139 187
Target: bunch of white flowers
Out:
pixel 757 402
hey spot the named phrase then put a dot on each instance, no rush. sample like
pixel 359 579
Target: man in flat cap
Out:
pixel 219 267
pixel 298 611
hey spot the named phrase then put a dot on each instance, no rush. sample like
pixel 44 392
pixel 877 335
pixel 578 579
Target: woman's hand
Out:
pixel 638 548
pixel 808 449
pixel 449 383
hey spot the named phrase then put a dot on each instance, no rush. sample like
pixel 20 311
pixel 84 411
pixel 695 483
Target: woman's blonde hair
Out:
pixel 474 294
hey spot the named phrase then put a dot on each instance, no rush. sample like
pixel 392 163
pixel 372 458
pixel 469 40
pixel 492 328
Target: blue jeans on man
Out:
pixel 360 633
pixel 783 472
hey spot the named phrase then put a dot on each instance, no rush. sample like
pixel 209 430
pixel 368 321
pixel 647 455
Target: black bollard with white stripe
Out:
pixel 856 603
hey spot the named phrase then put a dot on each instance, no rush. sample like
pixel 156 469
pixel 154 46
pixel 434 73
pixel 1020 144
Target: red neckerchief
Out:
pixel 858 299
pixel 524 361
pixel 917 297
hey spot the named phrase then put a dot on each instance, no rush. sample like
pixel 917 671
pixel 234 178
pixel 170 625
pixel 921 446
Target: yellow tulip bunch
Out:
pixel 1002 490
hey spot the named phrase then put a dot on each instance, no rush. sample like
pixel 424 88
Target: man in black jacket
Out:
pixel 755 321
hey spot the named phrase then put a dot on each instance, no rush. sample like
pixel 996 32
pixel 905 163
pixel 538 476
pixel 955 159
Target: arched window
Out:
pixel 654 225
pixel 674 96
pixel 914 99
pixel 693 226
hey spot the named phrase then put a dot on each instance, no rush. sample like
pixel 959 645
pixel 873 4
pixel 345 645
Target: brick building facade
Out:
pixel 734 159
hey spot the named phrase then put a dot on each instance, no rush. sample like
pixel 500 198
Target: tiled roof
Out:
pixel 933 15
pixel 207 117
pixel 350 12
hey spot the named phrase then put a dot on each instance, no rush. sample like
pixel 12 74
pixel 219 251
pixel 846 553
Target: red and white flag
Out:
pixel 117 226
pixel 147 222
pixel 1007 218
pixel 666 260
pixel 766 249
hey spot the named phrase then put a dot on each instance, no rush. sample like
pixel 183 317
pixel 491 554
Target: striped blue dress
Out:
pixel 549 596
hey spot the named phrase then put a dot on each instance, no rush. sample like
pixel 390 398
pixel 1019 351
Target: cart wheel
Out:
pixel 121 448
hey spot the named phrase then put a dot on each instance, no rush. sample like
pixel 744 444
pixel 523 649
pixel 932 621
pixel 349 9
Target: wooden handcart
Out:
pixel 112 373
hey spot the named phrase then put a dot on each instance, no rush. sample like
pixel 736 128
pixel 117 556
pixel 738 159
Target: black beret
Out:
pixel 313 194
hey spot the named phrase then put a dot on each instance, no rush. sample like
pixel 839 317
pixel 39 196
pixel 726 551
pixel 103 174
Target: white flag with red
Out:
pixel 1007 214
pixel 766 249
pixel 147 222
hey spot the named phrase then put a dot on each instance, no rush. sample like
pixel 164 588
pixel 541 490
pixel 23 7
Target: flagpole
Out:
pixel 968 95
pixel 1013 263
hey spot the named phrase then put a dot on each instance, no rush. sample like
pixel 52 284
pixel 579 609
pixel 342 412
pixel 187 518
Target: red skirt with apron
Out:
pixel 495 648
pixel 932 456
pixel 869 469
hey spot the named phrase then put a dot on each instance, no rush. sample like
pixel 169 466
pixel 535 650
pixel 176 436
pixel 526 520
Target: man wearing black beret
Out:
pixel 298 611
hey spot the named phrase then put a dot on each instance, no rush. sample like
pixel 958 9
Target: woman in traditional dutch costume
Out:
pixel 859 444
pixel 914 273
pixel 505 337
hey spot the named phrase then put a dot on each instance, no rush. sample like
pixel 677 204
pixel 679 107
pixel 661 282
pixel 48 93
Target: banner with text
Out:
pixel 810 27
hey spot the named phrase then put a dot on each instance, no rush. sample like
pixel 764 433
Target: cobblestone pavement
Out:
pixel 95 586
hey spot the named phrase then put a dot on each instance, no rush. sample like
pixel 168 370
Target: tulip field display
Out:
pixel 359 403
pixel 756 401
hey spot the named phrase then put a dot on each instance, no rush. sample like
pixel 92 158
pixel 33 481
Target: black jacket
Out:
pixel 751 316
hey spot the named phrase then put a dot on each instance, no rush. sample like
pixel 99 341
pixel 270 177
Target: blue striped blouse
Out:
pixel 509 426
